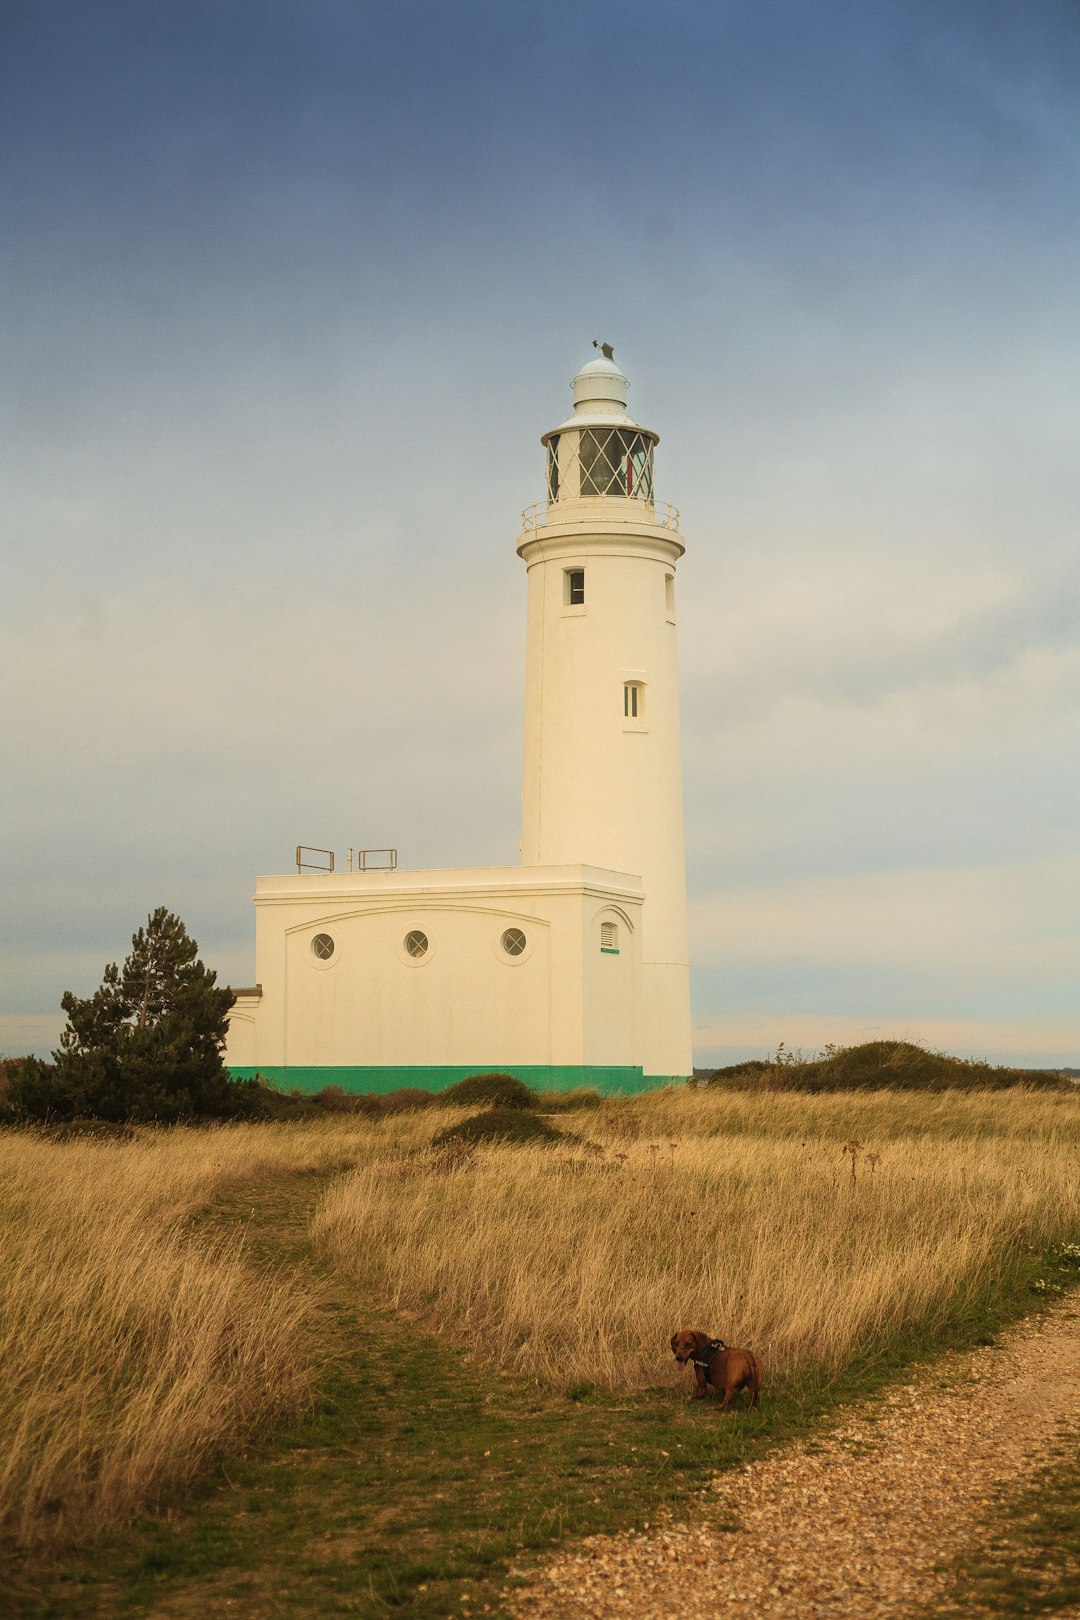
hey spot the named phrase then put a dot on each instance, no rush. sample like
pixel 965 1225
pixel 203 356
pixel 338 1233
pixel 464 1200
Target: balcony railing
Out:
pixel 540 513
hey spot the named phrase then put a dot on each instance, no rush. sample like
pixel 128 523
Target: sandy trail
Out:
pixel 853 1524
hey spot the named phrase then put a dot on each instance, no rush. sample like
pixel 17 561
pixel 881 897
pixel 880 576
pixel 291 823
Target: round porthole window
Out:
pixel 322 947
pixel 416 943
pixel 513 942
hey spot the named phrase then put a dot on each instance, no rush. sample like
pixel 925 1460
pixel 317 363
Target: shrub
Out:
pixel 500 1090
pixel 514 1126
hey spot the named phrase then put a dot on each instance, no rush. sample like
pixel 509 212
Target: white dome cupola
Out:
pixel 600 383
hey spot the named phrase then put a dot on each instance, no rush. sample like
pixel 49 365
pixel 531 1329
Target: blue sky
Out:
pixel 291 292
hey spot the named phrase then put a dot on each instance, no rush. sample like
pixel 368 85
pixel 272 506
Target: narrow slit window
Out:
pixel 669 595
pixel 633 700
pixel 574 587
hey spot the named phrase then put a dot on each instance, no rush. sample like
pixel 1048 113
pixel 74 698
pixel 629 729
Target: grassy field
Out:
pixel 816 1229
pixel 134 1351
pixel 473 1360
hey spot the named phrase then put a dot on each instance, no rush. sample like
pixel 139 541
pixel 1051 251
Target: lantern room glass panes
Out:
pixel 553 467
pixel 615 461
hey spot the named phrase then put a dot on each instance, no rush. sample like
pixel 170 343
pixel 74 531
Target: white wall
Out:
pixel 466 1001
pixel 597 786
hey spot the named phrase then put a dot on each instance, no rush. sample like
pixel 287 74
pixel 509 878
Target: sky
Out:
pixel 293 287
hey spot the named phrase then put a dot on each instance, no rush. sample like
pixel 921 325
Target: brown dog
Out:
pixel 718 1364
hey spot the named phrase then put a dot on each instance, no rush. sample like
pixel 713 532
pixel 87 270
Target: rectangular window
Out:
pixel 574 587
pixel 633 707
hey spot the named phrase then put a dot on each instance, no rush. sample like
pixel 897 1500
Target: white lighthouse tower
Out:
pixel 571 968
pixel 603 775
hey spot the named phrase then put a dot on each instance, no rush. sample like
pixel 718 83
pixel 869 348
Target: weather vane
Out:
pixel 605 349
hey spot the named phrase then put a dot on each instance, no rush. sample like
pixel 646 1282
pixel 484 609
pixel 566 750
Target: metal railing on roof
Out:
pixel 539 513
pixel 360 860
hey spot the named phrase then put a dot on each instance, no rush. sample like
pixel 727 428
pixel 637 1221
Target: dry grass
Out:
pixel 732 1213
pixel 133 1347
pixel 136 1346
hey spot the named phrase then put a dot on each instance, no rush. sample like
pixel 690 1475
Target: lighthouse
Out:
pixel 570 968
pixel 603 774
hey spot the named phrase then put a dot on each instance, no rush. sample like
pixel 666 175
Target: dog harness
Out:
pixel 705 1363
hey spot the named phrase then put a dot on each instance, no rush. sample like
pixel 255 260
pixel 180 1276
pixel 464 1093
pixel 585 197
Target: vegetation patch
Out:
pixel 499 1090
pixel 874 1066
pixel 1028 1557
pixel 568 1102
pixel 818 1231
pixel 450 1433
pixel 132 1356
pixel 146 1046
pixel 507 1126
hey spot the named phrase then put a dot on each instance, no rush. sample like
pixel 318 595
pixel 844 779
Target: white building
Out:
pixel 572 968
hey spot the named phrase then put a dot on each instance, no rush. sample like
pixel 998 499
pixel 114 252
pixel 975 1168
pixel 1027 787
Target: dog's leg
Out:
pixel 702 1386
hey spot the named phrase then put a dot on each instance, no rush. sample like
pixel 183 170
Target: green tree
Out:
pixel 147 1045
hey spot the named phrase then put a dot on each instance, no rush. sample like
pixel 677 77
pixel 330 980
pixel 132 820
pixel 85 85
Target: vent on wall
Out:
pixel 609 937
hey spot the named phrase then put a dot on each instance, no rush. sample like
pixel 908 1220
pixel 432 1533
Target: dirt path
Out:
pixel 851 1525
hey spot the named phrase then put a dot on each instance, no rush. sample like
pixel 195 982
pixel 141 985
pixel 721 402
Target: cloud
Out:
pixel 1019 922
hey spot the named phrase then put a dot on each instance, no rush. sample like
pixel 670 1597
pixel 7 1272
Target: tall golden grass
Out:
pixel 136 1345
pixel 133 1346
pixel 736 1214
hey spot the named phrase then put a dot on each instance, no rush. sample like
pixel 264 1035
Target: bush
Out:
pixel 500 1090
pixel 515 1126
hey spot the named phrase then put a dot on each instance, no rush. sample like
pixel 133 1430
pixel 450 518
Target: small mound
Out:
pixel 499 1090
pixel 877 1066
pixel 511 1125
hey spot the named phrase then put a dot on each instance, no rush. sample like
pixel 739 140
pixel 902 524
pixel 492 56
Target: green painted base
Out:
pixel 542 1077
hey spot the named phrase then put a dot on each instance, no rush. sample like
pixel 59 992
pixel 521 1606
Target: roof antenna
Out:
pixel 605 349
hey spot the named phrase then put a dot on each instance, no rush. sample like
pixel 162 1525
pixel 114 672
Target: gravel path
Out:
pixel 851 1524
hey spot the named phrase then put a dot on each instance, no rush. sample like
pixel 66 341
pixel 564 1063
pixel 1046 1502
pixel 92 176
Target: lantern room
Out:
pixel 600 451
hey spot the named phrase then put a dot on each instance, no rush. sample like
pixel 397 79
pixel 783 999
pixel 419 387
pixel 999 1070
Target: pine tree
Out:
pixel 148 1044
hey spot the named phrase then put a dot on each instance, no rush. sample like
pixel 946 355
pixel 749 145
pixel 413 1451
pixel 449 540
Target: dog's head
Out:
pixel 688 1343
